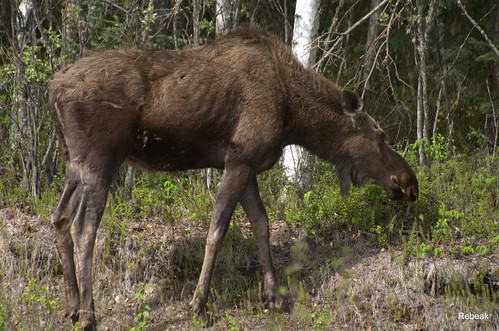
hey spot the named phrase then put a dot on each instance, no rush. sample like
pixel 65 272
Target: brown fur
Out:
pixel 232 104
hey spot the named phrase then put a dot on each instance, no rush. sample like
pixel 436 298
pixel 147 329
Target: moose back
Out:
pixel 232 104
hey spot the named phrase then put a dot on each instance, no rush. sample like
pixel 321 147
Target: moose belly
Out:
pixel 167 152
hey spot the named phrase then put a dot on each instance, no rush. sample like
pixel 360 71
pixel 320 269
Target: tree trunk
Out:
pixel 196 10
pixel 129 182
pixel 450 123
pixel 491 129
pixel 175 26
pixel 295 158
pixel 372 33
pixel 223 16
pixel 495 40
pixel 423 27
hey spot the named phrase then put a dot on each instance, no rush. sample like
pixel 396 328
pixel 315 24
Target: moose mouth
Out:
pixel 410 194
pixel 396 192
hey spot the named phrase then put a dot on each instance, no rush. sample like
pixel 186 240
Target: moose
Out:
pixel 232 104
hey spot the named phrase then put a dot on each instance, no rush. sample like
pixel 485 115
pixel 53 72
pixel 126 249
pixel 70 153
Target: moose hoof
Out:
pixel 199 313
pixel 86 323
pixel 275 303
pixel 73 316
pixel 202 317
pixel 88 326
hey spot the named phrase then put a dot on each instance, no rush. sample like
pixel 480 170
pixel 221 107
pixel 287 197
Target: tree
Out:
pixel 422 31
pixel 223 16
pixel 495 39
pixel 196 10
pixel 295 158
pixel 372 33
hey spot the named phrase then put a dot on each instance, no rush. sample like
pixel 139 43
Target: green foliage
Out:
pixel 142 317
pixel 456 199
pixel 36 295
pixel 207 26
pixel 423 250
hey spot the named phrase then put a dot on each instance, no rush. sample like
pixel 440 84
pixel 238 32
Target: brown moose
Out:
pixel 232 104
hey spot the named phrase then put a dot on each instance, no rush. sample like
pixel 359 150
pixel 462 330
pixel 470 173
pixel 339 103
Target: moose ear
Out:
pixel 350 102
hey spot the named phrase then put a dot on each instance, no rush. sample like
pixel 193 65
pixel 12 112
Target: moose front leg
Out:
pixel 231 189
pixel 253 206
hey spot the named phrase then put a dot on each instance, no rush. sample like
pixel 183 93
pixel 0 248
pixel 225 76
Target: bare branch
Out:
pixel 118 7
pixel 475 25
pixel 494 120
pixel 350 29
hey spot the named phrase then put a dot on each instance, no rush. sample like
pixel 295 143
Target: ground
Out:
pixel 145 273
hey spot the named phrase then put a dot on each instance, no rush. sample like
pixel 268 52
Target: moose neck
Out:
pixel 319 121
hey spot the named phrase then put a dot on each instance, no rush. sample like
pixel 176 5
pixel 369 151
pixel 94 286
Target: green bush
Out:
pixel 457 201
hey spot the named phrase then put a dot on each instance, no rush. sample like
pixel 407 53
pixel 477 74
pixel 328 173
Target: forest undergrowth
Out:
pixel 359 261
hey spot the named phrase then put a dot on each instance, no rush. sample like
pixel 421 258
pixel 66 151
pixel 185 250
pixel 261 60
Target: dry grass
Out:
pixel 341 284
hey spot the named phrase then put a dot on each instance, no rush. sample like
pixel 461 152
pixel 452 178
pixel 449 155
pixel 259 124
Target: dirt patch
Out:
pixel 151 266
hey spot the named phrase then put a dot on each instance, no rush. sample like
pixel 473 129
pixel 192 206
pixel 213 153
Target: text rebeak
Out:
pixel 484 316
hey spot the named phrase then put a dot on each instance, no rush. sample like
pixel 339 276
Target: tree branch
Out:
pixel 350 29
pixel 475 25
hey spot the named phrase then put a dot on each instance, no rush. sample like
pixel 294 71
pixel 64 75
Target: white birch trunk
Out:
pixel 422 102
pixel 295 158
pixel 223 16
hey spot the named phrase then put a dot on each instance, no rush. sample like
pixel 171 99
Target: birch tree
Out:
pixel 422 31
pixel 306 24
pixel 223 16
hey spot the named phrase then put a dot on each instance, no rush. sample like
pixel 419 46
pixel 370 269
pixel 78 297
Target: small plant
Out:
pixel 423 250
pixel 442 228
pixel 142 318
pixel 231 323
pixel 321 319
pixel 381 235
pixel 482 249
pixel 494 241
pixel 468 249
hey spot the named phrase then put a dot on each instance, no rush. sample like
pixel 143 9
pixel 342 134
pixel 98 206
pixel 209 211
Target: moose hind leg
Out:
pixel 61 222
pixel 95 187
pixel 253 206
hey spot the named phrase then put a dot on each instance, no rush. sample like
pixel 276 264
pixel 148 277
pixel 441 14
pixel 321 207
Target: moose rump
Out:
pixel 232 104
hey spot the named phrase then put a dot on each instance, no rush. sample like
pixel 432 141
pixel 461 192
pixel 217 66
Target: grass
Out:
pixel 356 262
